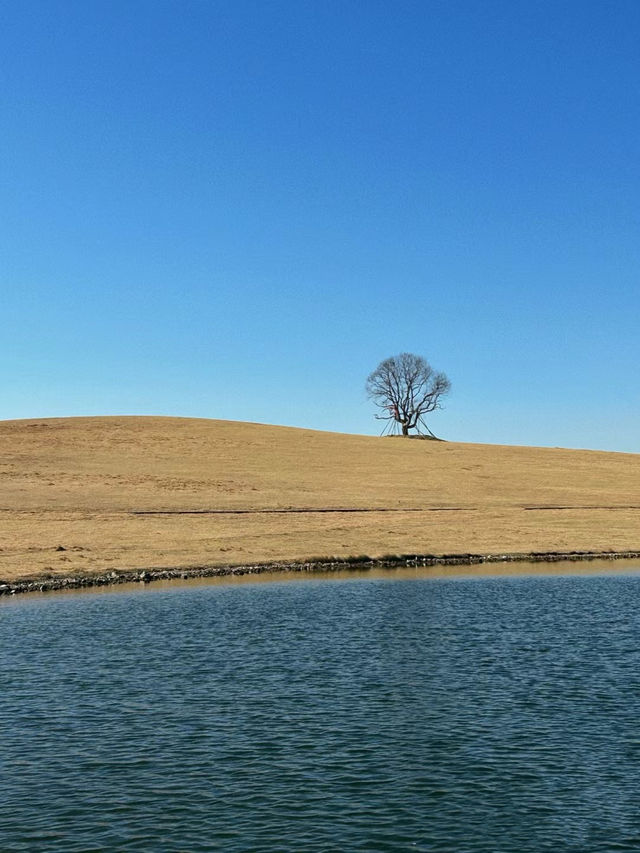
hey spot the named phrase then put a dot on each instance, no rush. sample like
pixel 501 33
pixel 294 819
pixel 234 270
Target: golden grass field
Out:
pixel 120 493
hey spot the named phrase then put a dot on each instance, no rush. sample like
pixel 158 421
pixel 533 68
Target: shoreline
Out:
pixel 324 565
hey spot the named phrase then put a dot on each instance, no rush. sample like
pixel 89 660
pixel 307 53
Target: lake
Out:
pixel 372 714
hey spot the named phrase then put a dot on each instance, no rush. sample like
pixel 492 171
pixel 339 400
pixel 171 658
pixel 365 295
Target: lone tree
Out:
pixel 406 388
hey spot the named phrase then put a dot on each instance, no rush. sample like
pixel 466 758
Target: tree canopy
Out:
pixel 406 388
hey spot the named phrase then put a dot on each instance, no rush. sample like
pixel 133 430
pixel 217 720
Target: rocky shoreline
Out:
pixel 51 583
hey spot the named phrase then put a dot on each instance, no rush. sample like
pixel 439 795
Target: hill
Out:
pixel 94 494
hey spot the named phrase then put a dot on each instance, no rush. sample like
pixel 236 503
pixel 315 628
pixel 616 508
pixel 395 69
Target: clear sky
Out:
pixel 236 209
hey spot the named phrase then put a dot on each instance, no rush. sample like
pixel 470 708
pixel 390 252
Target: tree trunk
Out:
pixel 405 429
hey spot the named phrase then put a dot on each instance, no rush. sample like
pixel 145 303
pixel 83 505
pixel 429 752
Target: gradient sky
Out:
pixel 236 209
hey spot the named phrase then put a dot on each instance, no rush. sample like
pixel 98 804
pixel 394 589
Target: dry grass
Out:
pixel 80 483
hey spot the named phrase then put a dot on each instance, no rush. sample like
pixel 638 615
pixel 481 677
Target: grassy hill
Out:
pixel 139 492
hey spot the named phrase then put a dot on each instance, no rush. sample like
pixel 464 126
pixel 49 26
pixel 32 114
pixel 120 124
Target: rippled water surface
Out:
pixel 378 715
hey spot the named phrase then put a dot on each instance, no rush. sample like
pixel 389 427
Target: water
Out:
pixel 377 715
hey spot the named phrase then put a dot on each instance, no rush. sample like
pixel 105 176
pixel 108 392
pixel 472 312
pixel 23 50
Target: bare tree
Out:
pixel 406 388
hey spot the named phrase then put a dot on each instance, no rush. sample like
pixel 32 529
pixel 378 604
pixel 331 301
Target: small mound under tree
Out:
pixel 406 389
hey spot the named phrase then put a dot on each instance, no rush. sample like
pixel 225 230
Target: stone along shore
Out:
pixel 53 583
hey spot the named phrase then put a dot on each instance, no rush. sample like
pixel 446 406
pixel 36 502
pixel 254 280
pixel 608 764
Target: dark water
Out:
pixel 377 715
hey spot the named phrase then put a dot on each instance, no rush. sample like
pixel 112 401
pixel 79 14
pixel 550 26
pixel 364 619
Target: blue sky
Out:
pixel 237 209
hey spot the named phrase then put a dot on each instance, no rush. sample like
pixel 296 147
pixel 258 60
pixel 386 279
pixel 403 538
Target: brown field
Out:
pixel 84 495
